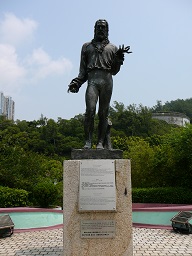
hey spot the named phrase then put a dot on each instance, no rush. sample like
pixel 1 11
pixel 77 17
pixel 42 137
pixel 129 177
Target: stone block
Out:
pixel 121 244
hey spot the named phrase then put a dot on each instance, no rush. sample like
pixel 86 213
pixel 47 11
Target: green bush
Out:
pixel 10 197
pixel 45 194
pixel 162 195
pixel 60 193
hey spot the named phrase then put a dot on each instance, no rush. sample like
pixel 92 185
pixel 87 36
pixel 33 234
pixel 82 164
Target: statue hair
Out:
pixel 102 20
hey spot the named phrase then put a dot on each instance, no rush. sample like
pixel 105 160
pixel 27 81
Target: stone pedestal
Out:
pixel 79 154
pixel 121 243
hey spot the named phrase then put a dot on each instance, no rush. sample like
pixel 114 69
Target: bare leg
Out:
pixel 104 103
pixel 100 85
pixel 91 101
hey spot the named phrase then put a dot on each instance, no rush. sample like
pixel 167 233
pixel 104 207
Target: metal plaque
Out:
pixel 97 191
pixel 98 228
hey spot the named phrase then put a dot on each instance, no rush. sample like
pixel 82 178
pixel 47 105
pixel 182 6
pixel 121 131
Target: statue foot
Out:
pixel 100 146
pixel 87 145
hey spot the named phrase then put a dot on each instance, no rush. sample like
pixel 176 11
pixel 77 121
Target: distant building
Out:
pixel 7 107
pixel 172 118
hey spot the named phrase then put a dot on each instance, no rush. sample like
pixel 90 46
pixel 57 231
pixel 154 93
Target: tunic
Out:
pixel 92 58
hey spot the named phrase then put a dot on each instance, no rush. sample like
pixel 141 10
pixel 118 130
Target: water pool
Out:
pixel 143 215
pixel 153 218
pixel 25 220
pixel 156 215
pixel 34 218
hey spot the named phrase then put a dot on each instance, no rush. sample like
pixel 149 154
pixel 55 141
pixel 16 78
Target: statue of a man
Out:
pixel 99 61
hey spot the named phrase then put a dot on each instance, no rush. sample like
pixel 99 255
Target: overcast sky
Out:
pixel 41 40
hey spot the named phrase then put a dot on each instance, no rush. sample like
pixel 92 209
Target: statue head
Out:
pixel 101 30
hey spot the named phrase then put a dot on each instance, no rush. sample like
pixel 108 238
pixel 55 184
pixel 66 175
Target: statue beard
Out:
pixel 100 37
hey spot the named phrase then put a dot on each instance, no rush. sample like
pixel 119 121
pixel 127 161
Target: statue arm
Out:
pixel 82 77
pixel 119 58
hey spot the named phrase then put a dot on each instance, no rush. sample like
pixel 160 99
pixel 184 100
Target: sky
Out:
pixel 41 40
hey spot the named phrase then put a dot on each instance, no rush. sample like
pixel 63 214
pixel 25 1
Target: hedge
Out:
pixel 45 194
pixel 11 197
pixel 170 195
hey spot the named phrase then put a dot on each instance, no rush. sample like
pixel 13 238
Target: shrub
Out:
pixel 162 195
pixel 10 197
pixel 45 193
pixel 60 193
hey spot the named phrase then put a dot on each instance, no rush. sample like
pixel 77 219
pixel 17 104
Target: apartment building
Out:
pixel 7 107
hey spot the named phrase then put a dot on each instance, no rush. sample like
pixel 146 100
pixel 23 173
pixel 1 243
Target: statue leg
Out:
pixel 104 103
pixel 107 141
pixel 91 98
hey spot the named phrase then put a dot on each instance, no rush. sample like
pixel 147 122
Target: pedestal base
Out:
pixel 121 243
pixel 96 154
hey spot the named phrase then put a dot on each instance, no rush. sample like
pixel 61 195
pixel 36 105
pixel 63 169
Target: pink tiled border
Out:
pixel 27 209
pixel 160 207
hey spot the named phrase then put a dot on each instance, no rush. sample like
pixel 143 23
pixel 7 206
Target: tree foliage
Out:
pixel 136 121
pixel 160 153
pixel 167 163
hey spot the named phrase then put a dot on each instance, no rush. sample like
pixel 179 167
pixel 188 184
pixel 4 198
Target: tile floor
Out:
pixel 146 242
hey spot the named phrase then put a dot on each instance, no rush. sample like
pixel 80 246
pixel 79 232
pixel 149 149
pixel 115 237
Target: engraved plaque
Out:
pixel 97 190
pixel 98 228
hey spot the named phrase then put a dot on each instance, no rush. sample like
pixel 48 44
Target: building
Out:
pixel 7 107
pixel 172 118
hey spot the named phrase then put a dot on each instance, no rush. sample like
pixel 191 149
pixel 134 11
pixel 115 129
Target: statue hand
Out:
pixel 73 87
pixel 120 53
pixel 124 49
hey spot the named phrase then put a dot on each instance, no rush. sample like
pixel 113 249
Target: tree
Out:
pixel 173 161
pixel 141 154
pixel 136 121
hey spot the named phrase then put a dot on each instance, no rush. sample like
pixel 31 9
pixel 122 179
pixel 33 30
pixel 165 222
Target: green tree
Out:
pixel 173 161
pixel 141 155
pixel 136 121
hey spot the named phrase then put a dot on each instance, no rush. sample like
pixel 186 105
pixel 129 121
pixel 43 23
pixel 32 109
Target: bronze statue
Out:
pixel 99 61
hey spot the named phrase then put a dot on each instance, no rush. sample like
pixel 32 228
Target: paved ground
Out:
pixel 146 242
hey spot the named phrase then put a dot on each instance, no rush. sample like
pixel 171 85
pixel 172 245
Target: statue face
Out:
pixel 101 31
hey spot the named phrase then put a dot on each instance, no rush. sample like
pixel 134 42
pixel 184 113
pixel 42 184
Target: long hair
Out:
pixel 102 20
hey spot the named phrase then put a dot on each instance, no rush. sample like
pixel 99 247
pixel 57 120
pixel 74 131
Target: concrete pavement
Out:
pixel 146 242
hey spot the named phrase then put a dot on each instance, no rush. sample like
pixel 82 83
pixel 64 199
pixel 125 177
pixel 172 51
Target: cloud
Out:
pixel 11 71
pixel 42 65
pixel 17 71
pixel 14 30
